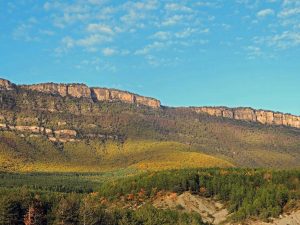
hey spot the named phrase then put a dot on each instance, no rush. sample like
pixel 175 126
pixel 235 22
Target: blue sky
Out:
pixel 189 52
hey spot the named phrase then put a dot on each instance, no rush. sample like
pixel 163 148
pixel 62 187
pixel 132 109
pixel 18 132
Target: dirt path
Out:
pixel 210 211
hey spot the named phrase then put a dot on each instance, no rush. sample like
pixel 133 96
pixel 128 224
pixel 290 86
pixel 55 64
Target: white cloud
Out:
pixel 136 12
pixel 109 51
pixel 26 30
pixel 186 33
pixel 96 64
pixel 291 2
pixel 153 46
pixel 254 51
pixel 87 42
pixel 92 40
pixel 265 12
pixel 172 20
pixel 207 4
pixel 68 42
pixel 101 28
pixel 284 40
pixel 177 7
pixel 161 35
pixel 289 12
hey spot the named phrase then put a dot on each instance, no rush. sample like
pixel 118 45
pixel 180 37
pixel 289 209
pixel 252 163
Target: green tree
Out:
pixel 11 211
pixel 67 211
pixel 92 212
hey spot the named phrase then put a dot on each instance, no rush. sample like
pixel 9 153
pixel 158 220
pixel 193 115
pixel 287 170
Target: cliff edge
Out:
pixel 253 115
pixel 83 91
pixel 98 94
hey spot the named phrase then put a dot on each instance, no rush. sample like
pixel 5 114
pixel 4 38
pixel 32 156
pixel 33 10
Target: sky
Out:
pixel 185 53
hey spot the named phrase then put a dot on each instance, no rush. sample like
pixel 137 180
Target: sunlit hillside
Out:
pixel 39 154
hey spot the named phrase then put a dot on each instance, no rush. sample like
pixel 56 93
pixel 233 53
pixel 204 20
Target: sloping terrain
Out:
pixel 292 218
pixel 39 154
pixel 72 126
pixel 211 211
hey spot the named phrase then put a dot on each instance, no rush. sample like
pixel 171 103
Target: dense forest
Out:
pixel 248 193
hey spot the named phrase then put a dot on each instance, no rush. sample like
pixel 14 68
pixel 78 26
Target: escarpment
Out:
pixel 104 94
pixel 83 91
pixel 97 94
pixel 249 114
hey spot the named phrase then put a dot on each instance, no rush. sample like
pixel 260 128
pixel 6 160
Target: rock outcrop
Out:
pixel 53 135
pixel 249 114
pixel 6 85
pixel 103 94
pixel 96 94
pixel 73 90
pixel 83 91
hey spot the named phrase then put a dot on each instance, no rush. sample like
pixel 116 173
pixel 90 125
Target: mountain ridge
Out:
pixel 80 90
pixel 70 124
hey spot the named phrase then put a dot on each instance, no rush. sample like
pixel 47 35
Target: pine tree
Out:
pixel 67 211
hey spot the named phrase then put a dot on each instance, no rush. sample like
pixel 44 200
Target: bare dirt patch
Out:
pixel 292 218
pixel 210 210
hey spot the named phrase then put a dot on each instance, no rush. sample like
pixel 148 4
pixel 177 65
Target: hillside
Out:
pixel 60 126
pixel 41 155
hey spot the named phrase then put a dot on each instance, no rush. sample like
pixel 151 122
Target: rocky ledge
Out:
pixel 83 91
pixel 249 114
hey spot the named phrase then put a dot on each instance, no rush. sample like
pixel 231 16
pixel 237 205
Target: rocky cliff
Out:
pixel 96 94
pixel 83 91
pixel 249 114
pixel 104 94
pixel 6 85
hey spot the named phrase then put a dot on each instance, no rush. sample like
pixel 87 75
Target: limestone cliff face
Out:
pixel 52 135
pixel 79 91
pixel 147 101
pixel 103 94
pixel 6 85
pixel 249 114
pixel 83 91
pixel 49 88
pixel 74 90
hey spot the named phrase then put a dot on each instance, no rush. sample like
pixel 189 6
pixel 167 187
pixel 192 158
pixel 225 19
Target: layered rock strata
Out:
pixel 249 114
pixel 83 91
pixel 111 95
pixel 53 135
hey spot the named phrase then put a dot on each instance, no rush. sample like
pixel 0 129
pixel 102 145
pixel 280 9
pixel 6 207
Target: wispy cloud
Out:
pixel 99 28
pixel 265 12
pixel 109 51
pixel 177 7
pixel 150 47
pixel 25 31
pixel 173 20
pixel 161 35
pixel 152 27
